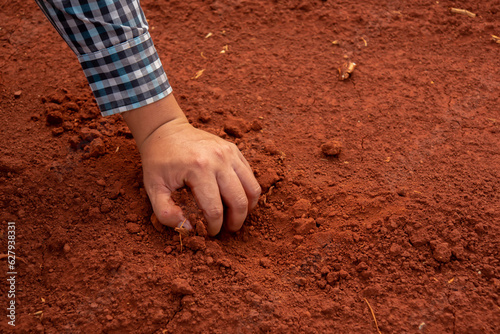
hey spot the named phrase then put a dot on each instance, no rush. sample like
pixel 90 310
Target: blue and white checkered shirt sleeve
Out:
pixel 113 45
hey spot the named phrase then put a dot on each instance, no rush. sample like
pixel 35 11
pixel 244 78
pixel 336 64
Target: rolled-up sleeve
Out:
pixel 115 50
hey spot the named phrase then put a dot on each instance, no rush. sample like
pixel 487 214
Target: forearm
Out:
pixel 115 50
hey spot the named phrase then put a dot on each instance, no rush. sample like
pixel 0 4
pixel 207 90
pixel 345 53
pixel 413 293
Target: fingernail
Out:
pixel 185 224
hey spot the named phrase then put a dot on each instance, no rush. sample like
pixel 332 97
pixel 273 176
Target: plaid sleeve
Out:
pixel 115 50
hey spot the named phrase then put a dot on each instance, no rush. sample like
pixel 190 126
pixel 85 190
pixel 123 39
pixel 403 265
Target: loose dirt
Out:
pixel 405 218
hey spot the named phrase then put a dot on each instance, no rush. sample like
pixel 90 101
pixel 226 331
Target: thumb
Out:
pixel 167 212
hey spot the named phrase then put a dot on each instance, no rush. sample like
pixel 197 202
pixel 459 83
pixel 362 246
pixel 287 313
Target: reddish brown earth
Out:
pixel 406 219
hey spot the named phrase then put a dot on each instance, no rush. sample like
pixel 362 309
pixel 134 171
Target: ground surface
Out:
pixel 406 219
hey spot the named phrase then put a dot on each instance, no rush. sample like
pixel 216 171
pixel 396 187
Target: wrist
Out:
pixel 144 121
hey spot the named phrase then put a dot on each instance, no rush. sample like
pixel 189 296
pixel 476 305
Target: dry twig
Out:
pixel 182 231
pixel 373 315
pixel 462 11
pixel 17 257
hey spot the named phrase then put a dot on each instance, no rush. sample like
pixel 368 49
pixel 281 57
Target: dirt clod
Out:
pixel 54 117
pixel 236 127
pixel 182 287
pixel 331 148
pixel 441 251
pixel 133 228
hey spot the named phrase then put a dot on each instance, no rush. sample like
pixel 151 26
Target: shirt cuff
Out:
pixel 126 76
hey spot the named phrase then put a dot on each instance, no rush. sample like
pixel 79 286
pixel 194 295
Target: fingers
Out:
pixel 250 185
pixel 207 195
pixel 167 212
pixel 235 199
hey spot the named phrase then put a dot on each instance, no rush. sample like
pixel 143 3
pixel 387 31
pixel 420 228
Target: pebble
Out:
pixel 332 277
pixel 331 148
pixel 133 228
pixel 267 179
pixel 54 117
pixel 265 262
pixel 195 243
pixel 304 225
pixel 297 239
pixel 106 206
pixel 236 127
pixel 441 251
pixel 301 207
pixel 97 148
pixel 343 273
pixel 182 287
pixel 156 223
pixel 57 131
pixel 301 281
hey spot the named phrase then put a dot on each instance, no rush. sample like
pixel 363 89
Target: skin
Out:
pixel 175 154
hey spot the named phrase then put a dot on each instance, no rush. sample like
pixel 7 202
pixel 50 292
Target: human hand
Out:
pixel 175 154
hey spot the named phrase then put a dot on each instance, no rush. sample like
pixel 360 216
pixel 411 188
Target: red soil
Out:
pixel 405 219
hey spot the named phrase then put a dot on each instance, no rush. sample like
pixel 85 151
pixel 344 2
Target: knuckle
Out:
pixel 256 191
pixel 223 151
pixel 240 203
pixel 201 162
pixel 214 213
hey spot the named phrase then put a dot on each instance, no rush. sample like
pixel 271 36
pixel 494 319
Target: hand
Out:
pixel 175 154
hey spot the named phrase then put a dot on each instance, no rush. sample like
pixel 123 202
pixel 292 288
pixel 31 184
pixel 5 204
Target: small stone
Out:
pixel 301 281
pixel 109 317
pixel 94 212
pixel 72 106
pixel 270 147
pixel 395 249
pixel 343 274
pixel 182 287
pixel 68 126
pixel 89 135
pixel 441 251
pixel 297 239
pixel 132 217
pixel 114 190
pixel 156 223
pixel 106 206
pixel 304 225
pixel 66 248
pixel 236 127
pixel 168 250
pixel 324 270
pixel 195 243
pixel 301 207
pixel 419 237
pixel 57 131
pixel 268 179
pixel 204 116
pixel 200 228
pixel 331 148
pixel 133 228
pixel 224 262
pixel 97 148
pixel 74 142
pixel 101 182
pixel 362 266
pixel 256 126
pixel 54 117
pixel 265 262
pixel 17 94
pixel 332 277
